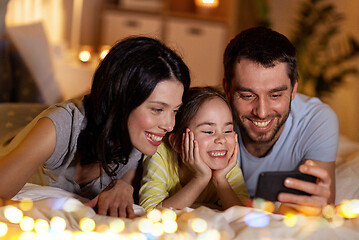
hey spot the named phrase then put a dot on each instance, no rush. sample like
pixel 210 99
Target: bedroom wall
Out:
pixel 345 100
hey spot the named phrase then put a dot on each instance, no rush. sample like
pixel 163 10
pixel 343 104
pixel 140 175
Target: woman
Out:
pixel 92 147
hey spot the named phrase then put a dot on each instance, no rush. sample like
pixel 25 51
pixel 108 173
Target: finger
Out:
pixel 122 211
pixel 130 211
pixel 92 203
pixel 302 200
pixel 102 208
pixel 309 167
pixel 191 147
pixel 113 211
pixel 186 146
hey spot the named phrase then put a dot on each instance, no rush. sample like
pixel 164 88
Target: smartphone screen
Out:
pixel 270 184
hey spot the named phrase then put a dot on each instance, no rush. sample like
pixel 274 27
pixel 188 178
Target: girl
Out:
pixel 202 167
pixel 92 147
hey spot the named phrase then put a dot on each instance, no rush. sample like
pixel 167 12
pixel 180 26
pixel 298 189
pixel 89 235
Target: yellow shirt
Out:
pixel 161 180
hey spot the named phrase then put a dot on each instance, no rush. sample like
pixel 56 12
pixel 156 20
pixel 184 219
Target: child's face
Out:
pixel 213 130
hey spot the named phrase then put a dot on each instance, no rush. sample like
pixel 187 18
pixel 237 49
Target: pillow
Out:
pixel 32 44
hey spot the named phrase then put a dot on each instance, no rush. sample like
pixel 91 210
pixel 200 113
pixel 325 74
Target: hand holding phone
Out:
pixel 270 184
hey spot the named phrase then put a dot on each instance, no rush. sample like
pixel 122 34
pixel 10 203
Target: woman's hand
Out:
pixel 221 174
pixel 191 158
pixel 116 200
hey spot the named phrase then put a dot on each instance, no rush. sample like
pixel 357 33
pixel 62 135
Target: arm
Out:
pixel 231 189
pixel 117 198
pixel 193 165
pixel 19 165
pixel 323 192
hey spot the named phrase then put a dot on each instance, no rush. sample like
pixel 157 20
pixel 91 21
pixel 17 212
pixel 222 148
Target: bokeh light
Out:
pixel 87 224
pixel 27 224
pixel 199 225
pixel 58 224
pixel 145 225
pixel 290 220
pixel 41 226
pixel 117 225
pixel 3 229
pixel 13 214
pixel 26 204
pixel 169 226
pixel 169 214
pixel 256 219
pixel 154 215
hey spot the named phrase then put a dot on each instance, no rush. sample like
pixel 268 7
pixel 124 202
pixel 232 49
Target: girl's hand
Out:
pixel 191 158
pixel 219 174
pixel 116 200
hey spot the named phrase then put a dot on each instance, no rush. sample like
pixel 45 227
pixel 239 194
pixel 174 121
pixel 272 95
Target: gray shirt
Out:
pixel 59 170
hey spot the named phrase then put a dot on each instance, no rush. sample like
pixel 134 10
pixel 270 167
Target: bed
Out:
pixel 42 212
pixel 65 215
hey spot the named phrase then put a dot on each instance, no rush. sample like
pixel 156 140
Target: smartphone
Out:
pixel 270 184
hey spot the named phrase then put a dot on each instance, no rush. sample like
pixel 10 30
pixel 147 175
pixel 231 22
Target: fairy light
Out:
pixel 41 226
pixel 58 224
pixel 27 236
pixel 26 204
pixel 157 229
pixel 169 214
pixel 27 224
pixel 117 225
pixel 328 211
pixel 85 56
pixel 169 226
pixel 137 236
pixel 210 235
pixel 348 209
pixel 154 215
pixel 13 214
pixel 3 229
pixel 264 205
pixel 199 225
pixel 87 224
pixel 256 219
pixel 290 220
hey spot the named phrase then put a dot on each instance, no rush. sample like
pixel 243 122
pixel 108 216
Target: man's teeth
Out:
pixel 217 154
pixel 261 124
pixel 154 137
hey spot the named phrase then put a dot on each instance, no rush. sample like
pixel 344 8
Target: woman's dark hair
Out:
pixel 192 101
pixel 123 81
pixel 263 46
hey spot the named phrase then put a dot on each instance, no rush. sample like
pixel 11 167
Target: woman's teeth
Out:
pixel 154 137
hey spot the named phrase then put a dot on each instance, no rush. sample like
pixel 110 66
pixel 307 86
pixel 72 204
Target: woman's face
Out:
pixel 213 130
pixel 149 122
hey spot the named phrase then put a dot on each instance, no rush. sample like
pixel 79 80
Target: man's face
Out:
pixel 261 100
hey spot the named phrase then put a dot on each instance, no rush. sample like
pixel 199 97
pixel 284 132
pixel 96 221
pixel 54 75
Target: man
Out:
pixel 279 129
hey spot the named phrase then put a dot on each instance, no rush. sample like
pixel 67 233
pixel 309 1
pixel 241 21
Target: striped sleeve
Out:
pixel 235 179
pixel 154 182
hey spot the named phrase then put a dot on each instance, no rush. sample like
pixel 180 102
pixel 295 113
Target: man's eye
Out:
pixel 229 131
pixel 277 95
pixel 247 96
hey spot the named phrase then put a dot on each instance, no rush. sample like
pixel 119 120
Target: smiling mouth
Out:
pixel 217 153
pixel 154 138
pixel 262 123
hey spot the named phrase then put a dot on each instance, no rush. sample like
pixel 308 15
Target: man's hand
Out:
pixel 116 200
pixel 322 192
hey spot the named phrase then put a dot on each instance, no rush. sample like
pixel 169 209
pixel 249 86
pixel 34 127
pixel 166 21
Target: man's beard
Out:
pixel 258 140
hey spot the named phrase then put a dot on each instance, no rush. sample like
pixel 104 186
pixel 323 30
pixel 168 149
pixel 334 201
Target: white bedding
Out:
pixel 234 223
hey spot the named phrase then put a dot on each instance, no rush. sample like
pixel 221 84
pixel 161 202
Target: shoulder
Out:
pixel 311 109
